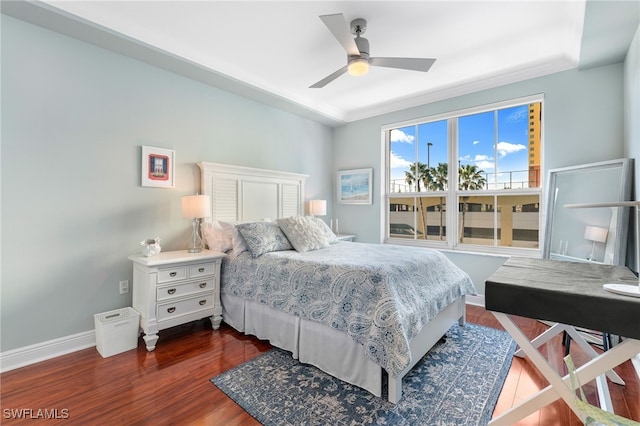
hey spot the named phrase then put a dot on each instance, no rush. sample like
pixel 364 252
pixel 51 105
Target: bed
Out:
pixel 364 313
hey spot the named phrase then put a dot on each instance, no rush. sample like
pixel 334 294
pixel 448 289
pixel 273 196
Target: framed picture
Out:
pixel 354 186
pixel 158 167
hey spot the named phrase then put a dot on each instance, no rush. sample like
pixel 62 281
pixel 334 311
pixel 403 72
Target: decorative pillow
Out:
pixel 328 233
pixel 216 237
pixel 303 232
pixel 238 244
pixel 263 237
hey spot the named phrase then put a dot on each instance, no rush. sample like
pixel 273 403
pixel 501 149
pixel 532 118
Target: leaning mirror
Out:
pixel 588 235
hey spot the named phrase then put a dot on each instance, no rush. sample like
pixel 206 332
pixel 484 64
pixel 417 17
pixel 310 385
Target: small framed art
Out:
pixel 158 167
pixel 354 186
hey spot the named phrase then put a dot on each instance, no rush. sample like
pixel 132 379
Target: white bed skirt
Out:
pixel 331 350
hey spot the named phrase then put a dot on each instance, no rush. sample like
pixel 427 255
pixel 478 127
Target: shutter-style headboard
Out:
pixel 245 193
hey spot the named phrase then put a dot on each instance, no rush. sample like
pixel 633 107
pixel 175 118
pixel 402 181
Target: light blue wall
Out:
pixel 73 119
pixel 583 123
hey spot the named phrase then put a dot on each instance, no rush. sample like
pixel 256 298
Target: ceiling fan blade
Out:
pixel 338 26
pixel 415 64
pixel 329 78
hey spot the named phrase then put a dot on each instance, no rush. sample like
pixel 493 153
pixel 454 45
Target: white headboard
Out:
pixel 245 193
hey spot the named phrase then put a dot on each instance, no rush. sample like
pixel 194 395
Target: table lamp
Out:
pixel 624 289
pixel 595 234
pixel 195 207
pixel 318 207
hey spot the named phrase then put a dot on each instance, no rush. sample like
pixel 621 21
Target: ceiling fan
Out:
pixel 358 60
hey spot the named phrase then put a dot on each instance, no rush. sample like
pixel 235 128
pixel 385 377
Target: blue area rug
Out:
pixel 457 383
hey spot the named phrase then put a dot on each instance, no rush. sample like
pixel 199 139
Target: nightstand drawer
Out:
pixel 179 290
pixel 172 274
pixel 183 307
pixel 201 269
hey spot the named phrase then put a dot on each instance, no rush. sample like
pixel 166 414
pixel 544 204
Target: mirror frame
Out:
pixel 620 216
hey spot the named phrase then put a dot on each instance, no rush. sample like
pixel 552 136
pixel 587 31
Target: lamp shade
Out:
pixel 318 207
pixel 196 206
pixel 595 233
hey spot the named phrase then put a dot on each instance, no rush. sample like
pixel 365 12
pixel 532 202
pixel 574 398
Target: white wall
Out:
pixel 73 119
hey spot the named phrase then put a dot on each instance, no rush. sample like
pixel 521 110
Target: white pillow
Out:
pixel 216 237
pixel 238 244
pixel 328 233
pixel 303 232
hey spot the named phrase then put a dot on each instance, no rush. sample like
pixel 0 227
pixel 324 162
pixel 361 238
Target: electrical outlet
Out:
pixel 124 286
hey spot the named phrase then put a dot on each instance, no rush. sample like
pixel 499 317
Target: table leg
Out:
pixel 560 387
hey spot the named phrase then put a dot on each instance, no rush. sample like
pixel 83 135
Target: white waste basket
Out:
pixel 116 331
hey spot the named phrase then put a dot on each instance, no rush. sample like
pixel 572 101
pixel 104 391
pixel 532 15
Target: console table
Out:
pixel 570 294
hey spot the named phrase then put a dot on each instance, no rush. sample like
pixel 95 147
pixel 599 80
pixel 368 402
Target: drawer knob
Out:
pixel 171 291
pixel 202 302
pixel 201 270
pixel 203 285
pixel 173 274
pixel 171 310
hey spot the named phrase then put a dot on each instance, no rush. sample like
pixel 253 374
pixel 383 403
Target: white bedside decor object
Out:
pixel 195 207
pixel 151 246
pixel 595 234
pixel 618 288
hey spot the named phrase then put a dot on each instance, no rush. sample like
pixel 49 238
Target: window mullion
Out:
pixel 452 187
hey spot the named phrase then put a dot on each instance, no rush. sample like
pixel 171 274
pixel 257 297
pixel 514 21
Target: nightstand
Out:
pixel 346 237
pixel 176 287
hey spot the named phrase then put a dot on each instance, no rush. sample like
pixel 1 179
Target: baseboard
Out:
pixel 27 355
pixel 21 357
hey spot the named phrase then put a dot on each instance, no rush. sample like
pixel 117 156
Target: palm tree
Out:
pixel 438 182
pixel 418 173
pixel 469 178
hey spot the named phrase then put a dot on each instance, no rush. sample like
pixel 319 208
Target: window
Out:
pixel 493 157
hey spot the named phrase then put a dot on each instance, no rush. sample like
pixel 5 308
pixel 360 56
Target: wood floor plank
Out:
pixel 171 384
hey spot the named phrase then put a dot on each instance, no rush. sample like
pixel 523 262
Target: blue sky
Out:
pixel 477 144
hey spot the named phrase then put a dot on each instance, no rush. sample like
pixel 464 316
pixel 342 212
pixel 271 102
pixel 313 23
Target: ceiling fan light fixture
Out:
pixel 358 67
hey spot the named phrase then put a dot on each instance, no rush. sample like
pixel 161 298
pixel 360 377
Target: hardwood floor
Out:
pixel 171 385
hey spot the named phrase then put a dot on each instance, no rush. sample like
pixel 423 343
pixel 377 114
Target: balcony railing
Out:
pixel 513 179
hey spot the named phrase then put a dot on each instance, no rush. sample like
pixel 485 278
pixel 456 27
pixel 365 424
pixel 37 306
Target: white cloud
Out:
pixel 482 157
pixel 518 115
pixel 505 148
pixel 475 142
pixel 398 135
pixel 486 165
pixel 397 162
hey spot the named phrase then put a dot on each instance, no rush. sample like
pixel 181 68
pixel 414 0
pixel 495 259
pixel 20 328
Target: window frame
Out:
pixel 452 193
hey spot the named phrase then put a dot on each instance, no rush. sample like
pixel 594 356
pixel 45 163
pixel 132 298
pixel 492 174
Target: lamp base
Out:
pixel 624 289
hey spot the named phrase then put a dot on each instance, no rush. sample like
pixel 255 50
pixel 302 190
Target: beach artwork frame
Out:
pixel 158 167
pixel 354 186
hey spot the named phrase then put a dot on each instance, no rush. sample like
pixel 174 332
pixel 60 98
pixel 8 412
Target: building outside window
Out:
pixel 469 179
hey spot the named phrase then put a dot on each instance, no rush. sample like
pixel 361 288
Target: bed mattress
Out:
pixel 379 295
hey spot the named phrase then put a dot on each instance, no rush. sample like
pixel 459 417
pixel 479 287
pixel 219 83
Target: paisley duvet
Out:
pixel 380 295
